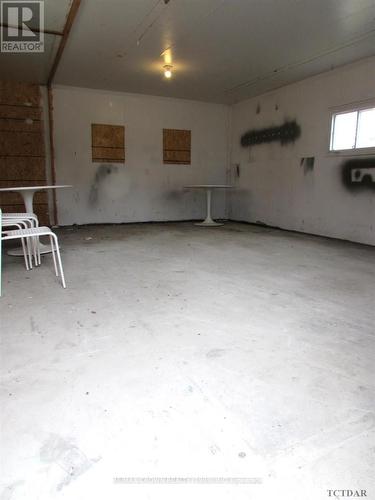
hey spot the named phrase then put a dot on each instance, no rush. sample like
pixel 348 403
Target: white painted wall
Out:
pixel 273 188
pixel 143 189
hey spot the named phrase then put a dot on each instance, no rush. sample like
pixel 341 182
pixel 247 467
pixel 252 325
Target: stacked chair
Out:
pixel 25 226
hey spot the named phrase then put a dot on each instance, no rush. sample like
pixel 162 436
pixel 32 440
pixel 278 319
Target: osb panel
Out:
pixel 116 155
pixel 181 157
pixel 20 112
pixel 176 146
pixel 21 144
pixel 22 161
pixel 174 139
pixel 13 198
pixel 24 94
pixel 17 125
pixel 12 183
pixel 107 136
pixel 22 169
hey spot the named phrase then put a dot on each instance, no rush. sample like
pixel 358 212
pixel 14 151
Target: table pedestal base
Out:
pixel 18 252
pixel 209 223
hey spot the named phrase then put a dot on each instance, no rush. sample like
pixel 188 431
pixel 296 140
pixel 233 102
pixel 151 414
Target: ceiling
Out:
pixel 221 50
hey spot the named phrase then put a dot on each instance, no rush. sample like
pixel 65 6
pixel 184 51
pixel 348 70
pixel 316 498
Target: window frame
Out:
pixel 350 108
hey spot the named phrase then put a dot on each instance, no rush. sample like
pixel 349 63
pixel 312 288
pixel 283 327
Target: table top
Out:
pixel 34 188
pixel 209 186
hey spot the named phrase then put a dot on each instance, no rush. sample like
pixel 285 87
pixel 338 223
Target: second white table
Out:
pixel 208 221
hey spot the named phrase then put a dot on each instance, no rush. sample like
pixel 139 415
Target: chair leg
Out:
pixel 59 259
pixel 24 253
pixel 29 252
pixel 23 225
pixel 53 254
pixel 34 223
pixel 38 250
pixel 34 241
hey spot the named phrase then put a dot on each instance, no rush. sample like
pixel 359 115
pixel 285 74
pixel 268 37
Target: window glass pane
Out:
pixel 344 131
pixel 366 129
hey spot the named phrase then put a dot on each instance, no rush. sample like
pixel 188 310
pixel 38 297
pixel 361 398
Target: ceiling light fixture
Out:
pixel 168 70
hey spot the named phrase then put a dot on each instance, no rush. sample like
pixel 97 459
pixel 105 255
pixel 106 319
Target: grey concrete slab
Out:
pixel 179 351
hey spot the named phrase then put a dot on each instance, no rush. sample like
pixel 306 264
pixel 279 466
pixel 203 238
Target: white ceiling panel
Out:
pixel 55 13
pixel 221 50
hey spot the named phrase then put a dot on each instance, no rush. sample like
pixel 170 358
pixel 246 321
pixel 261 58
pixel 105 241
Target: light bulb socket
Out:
pixel 168 70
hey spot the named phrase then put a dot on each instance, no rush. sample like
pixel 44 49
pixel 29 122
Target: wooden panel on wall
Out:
pixel 14 124
pixel 20 112
pixel 22 154
pixel 108 143
pixel 19 143
pixel 22 169
pixel 176 146
pixel 17 93
pixel 14 198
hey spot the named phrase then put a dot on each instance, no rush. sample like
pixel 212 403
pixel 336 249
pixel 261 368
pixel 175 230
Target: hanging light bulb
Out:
pixel 168 71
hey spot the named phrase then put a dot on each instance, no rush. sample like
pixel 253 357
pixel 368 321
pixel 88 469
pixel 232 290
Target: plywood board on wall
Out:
pixel 15 125
pixel 19 94
pixel 22 169
pixel 20 112
pixel 108 143
pixel 22 154
pixel 177 146
pixel 20 143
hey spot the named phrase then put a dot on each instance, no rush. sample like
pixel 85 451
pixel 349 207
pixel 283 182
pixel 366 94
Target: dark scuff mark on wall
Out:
pixel 174 195
pixel 307 163
pixel 289 132
pixel 358 174
pixel 102 172
pixel 258 108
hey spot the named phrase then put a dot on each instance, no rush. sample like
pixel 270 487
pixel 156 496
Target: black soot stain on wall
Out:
pixel 289 132
pixel 307 163
pixel 358 174
pixel 103 171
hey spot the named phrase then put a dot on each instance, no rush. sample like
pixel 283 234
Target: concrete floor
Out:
pixel 182 351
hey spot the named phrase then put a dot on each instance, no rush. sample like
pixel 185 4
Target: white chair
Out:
pixel 26 220
pixel 23 216
pixel 20 224
pixel 36 232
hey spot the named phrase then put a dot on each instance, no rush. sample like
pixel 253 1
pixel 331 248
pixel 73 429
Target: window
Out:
pixel 176 146
pixel 353 130
pixel 108 143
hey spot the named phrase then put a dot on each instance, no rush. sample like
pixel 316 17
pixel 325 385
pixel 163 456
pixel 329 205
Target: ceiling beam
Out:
pixel 68 26
pixel 35 30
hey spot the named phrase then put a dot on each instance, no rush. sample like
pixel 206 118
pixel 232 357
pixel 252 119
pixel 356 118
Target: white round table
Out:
pixel 208 221
pixel 27 193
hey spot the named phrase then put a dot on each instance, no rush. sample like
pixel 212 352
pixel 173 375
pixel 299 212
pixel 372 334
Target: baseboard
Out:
pixel 316 235
pixel 237 221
